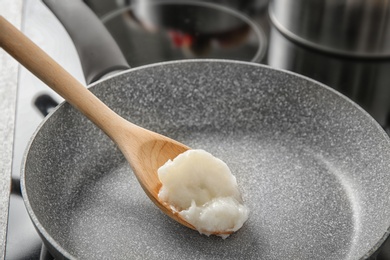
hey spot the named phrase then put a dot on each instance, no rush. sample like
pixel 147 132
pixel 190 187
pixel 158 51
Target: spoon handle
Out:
pixel 52 74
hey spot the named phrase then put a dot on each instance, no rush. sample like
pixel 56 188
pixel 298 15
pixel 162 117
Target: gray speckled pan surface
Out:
pixel 313 168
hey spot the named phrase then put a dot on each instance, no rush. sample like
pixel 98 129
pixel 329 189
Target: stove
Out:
pixel 149 32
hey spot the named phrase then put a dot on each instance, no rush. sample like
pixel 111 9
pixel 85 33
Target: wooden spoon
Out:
pixel 145 150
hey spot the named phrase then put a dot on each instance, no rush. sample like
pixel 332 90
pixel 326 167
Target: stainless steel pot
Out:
pixel 349 27
pixel 366 81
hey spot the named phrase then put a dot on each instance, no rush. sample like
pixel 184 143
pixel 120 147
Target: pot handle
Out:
pixel 98 52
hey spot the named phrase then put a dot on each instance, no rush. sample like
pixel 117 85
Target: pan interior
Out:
pixel 313 168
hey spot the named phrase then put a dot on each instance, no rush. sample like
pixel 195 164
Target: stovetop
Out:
pixel 245 33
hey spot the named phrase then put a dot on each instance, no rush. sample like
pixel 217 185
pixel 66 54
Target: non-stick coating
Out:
pixel 312 166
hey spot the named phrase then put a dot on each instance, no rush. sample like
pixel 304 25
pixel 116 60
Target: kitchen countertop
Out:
pixel 11 10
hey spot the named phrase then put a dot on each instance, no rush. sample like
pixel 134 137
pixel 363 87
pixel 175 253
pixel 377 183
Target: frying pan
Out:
pixel 313 167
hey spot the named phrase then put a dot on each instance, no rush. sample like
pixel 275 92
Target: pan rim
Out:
pixel 53 243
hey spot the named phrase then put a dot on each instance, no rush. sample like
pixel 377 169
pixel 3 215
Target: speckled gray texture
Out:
pixel 12 11
pixel 313 168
